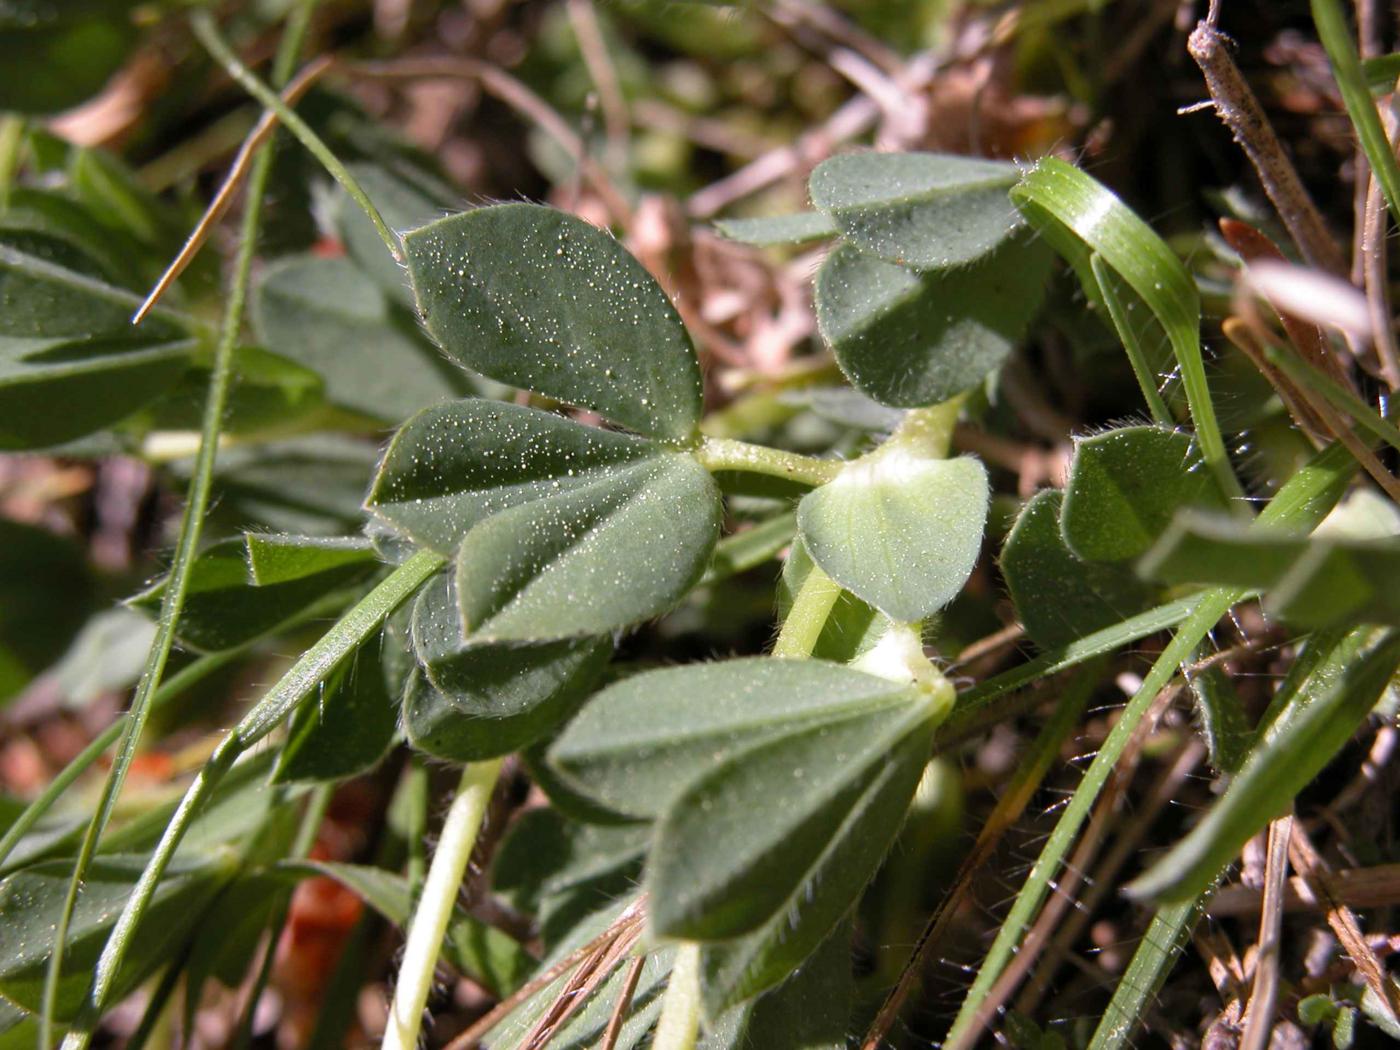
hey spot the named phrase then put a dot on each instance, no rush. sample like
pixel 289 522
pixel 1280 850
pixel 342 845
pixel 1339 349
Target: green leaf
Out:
pixel 478 700
pixel 269 393
pixel 593 560
pixel 771 230
pixel 1312 582
pixel 925 210
pixel 281 558
pixel 1125 486
pixel 809 1011
pixel 30 901
pixel 104 251
pixel 1080 217
pixel 1060 598
pixel 900 531
pixel 454 465
pixel 793 827
pixel 46 594
pixel 486 955
pixel 350 727
pixel 1221 715
pixel 56 55
pixel 639 742
pixel 56 296
pixel 96 381
pixel 328 315
pixel 830 882
pixel 224 608
pixel 1277 769
pixel 542 300
pixel 909 339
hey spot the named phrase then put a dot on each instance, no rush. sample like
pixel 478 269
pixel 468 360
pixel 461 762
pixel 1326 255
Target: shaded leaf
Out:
pixel 540 299
pixel 30 901
pixel 925 210
pixel 56 55
pixel 350 727
pixel 641 741
pixel 792 827
pixel 900 531
pixel 269 392
pixel 909 339
pixel 224 608
pixel 477 700
pixel 1060 598
pixel 328 315
pixel 46 594
pixel 1125 486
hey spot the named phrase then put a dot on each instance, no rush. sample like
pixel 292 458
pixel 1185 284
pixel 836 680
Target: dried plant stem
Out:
pixel 583 17
pixel 1263 997
pixel 624 1003
pixel 1240 111
pixel 434 908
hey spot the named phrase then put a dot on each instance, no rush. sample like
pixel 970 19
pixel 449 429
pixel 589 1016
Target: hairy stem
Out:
pixel 435 906
pixel 805 620
pixel 728 454
pixel 186 547
pixel 680 1010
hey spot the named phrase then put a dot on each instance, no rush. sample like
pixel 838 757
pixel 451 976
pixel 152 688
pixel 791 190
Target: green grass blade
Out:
pixel 1137 357
pixel 1343 399
pixel 1151 962
pixel 1340 43
pixel 1076 213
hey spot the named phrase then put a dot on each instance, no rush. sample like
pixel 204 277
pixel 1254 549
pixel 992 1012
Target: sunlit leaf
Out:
pixel 925 210
pixel 540 299
pixel 900 531
pixel 772 230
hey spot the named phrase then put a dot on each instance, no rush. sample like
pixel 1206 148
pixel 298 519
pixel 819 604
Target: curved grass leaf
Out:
pixel 454 465
pixel 899 531
pixel 30 901
pixel 792 827
pixel 1275 772
pixel 328 315
pixel 771 230
pixel 1080 217
pixel 925 210
pixel 1124 488
pixel 1311 582
pixel 540 299
pixel 1060 598
pixel 640 742
pixel 909 339
pixel 592 560
pixel 477 700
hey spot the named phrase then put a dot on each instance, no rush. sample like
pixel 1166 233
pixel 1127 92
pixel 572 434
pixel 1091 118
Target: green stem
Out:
pixel 727 454
pixel 1137 357
pixel 291 690
pixel 208 33
pixel 11 148
pixel 680 1010
pixel 191 528
pixel 1301 504
pixel 434 909
pixel 1145 974
pixel 805 620
pixel 927 432
pixel 1337 39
